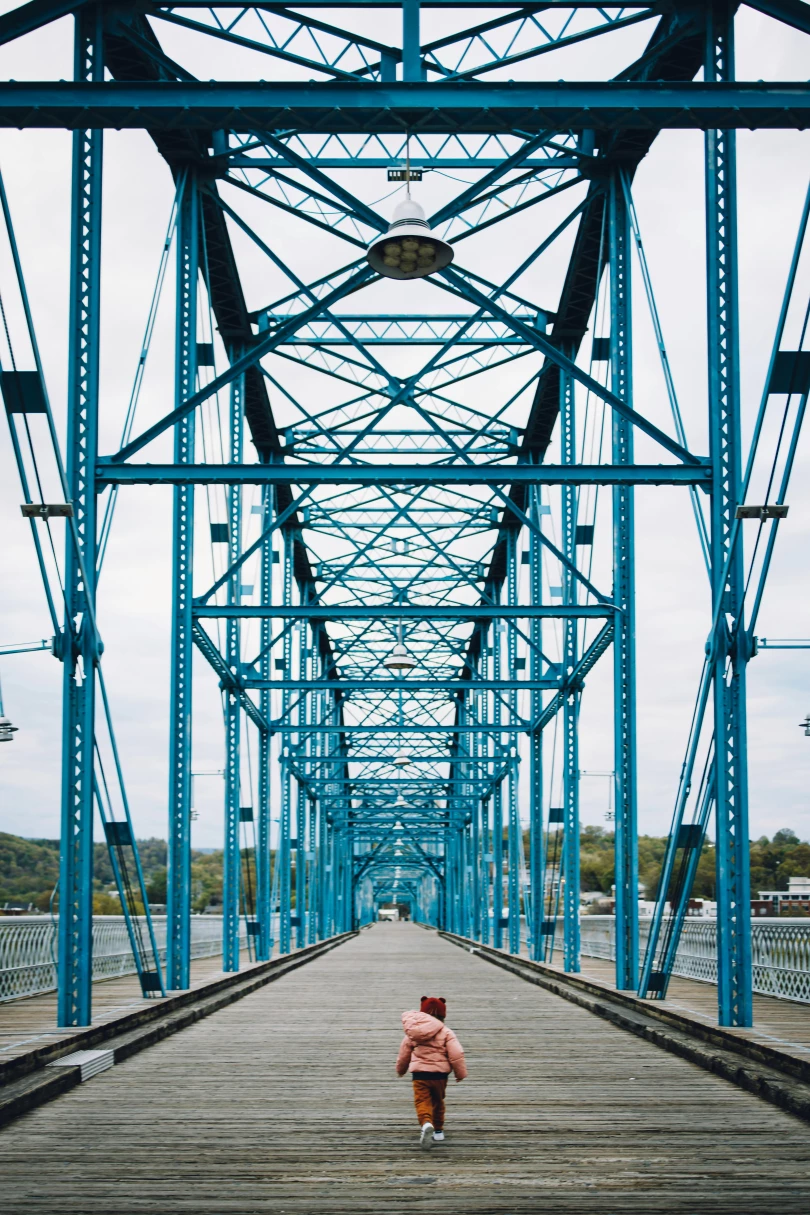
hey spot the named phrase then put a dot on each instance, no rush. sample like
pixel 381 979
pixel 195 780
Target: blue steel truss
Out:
pixel 362 495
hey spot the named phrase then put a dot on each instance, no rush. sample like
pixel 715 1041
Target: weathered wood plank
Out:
pixel 782 1023
pixel 287 1102
pixel 32 1021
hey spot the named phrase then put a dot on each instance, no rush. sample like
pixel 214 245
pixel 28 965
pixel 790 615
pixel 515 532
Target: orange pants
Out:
pixel 428 1097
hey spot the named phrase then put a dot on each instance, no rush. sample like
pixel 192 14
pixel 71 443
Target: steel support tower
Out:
pixel 393 467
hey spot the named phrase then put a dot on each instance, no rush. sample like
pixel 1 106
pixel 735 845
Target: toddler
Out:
pixel 430 1052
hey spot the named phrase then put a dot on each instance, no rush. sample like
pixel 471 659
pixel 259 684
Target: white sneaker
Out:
pixel 438 1136
pixel 426 1137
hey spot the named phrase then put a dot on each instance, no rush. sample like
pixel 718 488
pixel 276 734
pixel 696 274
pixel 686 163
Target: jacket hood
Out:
pixel 420 1027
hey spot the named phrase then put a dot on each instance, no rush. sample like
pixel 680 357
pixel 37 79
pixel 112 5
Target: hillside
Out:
pixel 29 868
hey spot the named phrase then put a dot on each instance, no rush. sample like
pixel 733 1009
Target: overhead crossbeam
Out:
pixel 108 473
pixel 469 106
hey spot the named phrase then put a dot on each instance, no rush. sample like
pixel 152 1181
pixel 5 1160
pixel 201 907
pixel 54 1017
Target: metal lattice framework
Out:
pixel 382 476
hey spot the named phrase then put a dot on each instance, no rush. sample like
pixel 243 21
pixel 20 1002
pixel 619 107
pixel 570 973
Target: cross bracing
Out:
pixel 357 468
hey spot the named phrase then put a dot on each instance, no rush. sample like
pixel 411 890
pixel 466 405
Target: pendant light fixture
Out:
pixel 399 661
pixel 409 249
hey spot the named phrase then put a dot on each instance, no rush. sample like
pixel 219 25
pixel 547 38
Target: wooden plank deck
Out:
pixel 784 1024
pixel 287 1102
pixel 31 1021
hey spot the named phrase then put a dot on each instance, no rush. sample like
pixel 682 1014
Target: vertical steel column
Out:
pixel 515 842
pixel 81 650
pixel 447 909
pixel 263 857
pixel 330 887
pixel 232 853
pixel 537 861
pixel 314 881
pixel 301 799
pixel 497 797
pixel 411 49
pixel 624 596
pixel 178 883
pixel 571 708
pixel 468 817
pixel 486 835
pixel 283 856
pixel 476 844
pixel 728 654
pixel 324 872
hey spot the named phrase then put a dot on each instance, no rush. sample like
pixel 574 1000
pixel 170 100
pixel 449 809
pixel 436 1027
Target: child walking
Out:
pixel 430 1052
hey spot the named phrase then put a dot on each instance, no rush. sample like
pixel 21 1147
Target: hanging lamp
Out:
pixel 399 659
pixel 409 249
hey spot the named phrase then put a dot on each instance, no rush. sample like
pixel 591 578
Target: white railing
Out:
pixel 28 949
pixel 780 952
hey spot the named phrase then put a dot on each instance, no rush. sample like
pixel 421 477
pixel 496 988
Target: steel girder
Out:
pixel 729 664
pixel 464 106
pixel 82 642
pixel 624 596
pixel 178 886
pixel 371 545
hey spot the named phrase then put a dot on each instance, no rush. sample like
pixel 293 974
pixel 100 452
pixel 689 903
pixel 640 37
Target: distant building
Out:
pixel 785 902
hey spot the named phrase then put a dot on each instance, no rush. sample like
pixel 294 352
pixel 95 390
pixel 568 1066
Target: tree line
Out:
pixel 29 868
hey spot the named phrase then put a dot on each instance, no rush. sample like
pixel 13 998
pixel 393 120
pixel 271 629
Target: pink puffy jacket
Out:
pixel 429 1046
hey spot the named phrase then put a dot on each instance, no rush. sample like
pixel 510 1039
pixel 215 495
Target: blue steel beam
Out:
pixel 624 594
pixel 264 943
pixel 81 644
pixel 345 685
pixel 571 692
pixel 728 663
pixel 432 728
pixel 791 12
pixel 428 329
pixel 535 912
pixel 568 365
pixel 469 106
pixel 405 611
pixel 108 473
pixel 178 887
pixel 32 16
pixel 232 854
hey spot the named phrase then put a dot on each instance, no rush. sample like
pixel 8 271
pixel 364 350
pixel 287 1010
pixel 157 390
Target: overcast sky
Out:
pixel 673 605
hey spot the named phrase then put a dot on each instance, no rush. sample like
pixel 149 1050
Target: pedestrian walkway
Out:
pixel 31 1021
pixel 287 1102
pixel 784 1024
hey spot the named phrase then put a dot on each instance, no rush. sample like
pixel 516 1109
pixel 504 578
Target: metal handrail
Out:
pixel 27 949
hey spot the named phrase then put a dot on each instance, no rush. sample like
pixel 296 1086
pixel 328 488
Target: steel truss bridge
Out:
pixel 376 476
